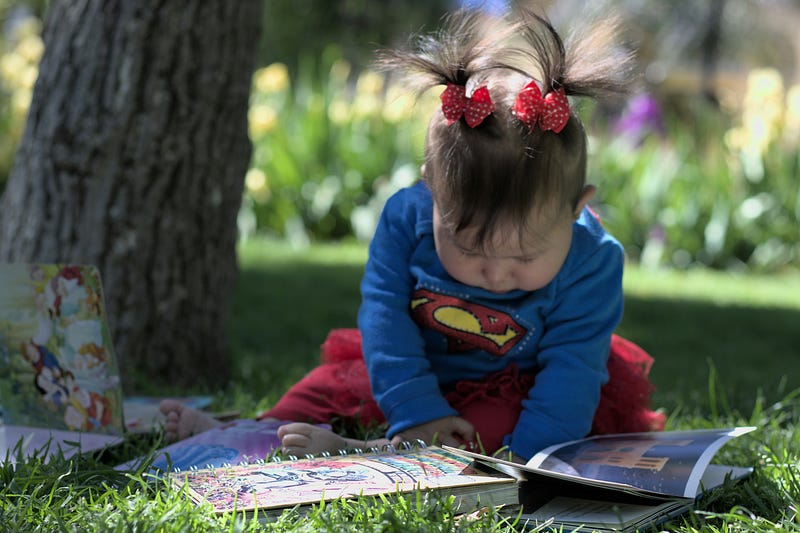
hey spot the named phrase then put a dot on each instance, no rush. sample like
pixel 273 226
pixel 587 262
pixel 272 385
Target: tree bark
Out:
pixel 133 159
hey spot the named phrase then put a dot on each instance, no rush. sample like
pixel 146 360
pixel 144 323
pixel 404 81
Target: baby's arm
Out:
pixel 450 430
pixel 572 353
pixel 402 381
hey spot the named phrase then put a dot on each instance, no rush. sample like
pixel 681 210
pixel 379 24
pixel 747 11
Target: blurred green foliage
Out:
pixel 717 189
pixel 296 30
pixel 329 147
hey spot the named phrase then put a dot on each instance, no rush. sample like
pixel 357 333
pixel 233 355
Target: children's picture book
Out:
pixel 239 441
pixel 269 488
pixel 618 482
pixel 59 378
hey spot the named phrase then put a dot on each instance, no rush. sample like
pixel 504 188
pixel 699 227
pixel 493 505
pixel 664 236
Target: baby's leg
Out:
pixel 298 438
pixel 184 421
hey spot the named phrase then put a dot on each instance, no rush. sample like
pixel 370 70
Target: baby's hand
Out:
pixel 450 430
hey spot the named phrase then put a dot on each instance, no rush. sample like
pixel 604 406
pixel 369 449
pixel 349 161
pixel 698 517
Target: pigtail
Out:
pixel 462 48
pixel 589 63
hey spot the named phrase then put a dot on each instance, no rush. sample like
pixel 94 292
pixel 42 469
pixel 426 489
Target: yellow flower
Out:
pixel 366 105
pixel 764 84
pixel 369 84
pixel 27 78
pixel 31 48
pixel 272 79
pixel 10 66
pixel 339 112
pixel 21 102
pixel 262 119
pixel 735 139
pixel 255 182
pixel 763 109
pixel 791 126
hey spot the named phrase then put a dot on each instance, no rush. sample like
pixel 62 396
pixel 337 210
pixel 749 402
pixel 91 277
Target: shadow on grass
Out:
pixel 281 315
pixel 749 348
pixel 283 311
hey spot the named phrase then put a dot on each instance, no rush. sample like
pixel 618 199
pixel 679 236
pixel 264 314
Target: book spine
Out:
pixel 277 457
pixel 417 444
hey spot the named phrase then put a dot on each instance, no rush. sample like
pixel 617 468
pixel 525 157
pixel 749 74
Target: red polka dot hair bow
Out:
pixel 550 112
pixel 456 103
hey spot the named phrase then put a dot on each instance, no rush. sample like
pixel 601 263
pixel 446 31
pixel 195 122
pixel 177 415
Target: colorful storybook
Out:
pixel 267 489
pixel 59 381
pixel 617 482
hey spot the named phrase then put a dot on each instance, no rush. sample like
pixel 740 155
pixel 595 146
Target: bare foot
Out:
pixel 182 421
pixel 298 438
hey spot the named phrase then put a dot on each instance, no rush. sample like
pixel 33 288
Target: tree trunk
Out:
pixel 133 159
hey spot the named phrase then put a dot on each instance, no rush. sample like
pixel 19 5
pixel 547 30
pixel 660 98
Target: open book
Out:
pixel 59 381
pixel 269 488
pixel 618 482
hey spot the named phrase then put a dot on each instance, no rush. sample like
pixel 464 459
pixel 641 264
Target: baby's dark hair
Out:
pixel 500 170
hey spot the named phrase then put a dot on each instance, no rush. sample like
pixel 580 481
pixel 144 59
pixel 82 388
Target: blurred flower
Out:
pixel 21 102
pixel 368 101
pixel 791 125
pixel 272 79
pixel 369 83
pixel 31 48
pixel 255 182
pixel 764 114
pixel 642 117
pixel 262 118
pixel 339 112
pixel 27 78
pixel 366 105
pixel 763 109
pixel 11 65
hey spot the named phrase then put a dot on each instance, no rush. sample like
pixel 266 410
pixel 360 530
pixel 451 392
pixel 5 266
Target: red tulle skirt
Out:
pixel 339 388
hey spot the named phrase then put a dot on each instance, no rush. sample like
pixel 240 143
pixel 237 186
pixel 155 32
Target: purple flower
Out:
pixel 642 116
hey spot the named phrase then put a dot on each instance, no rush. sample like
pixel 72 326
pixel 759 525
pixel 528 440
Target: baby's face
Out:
pixel 508 263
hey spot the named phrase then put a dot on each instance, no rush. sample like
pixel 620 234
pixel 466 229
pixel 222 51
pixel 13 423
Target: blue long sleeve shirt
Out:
pixel 423 331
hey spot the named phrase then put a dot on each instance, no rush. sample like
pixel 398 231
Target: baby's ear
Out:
pixel 422 170
pixel 583 201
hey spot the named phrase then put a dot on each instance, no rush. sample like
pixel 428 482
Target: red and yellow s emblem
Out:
pixel 466 325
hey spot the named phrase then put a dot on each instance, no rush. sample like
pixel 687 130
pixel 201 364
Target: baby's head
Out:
pixel 497 174
pixel 508 174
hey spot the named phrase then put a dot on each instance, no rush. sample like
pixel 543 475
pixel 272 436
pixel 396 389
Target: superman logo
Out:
pixel 466 325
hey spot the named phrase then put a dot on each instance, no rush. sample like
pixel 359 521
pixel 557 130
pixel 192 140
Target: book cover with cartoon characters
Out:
pixel 57 364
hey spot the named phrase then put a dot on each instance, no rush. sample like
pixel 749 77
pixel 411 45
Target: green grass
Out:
pixel 725 348
pixel 700 324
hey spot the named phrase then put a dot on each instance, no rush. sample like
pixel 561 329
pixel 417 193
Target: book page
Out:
pixel 669 462
pixel 29 440
pixel 576 512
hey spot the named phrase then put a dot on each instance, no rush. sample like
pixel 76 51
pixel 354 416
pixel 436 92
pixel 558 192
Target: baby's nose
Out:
pixel 493 273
